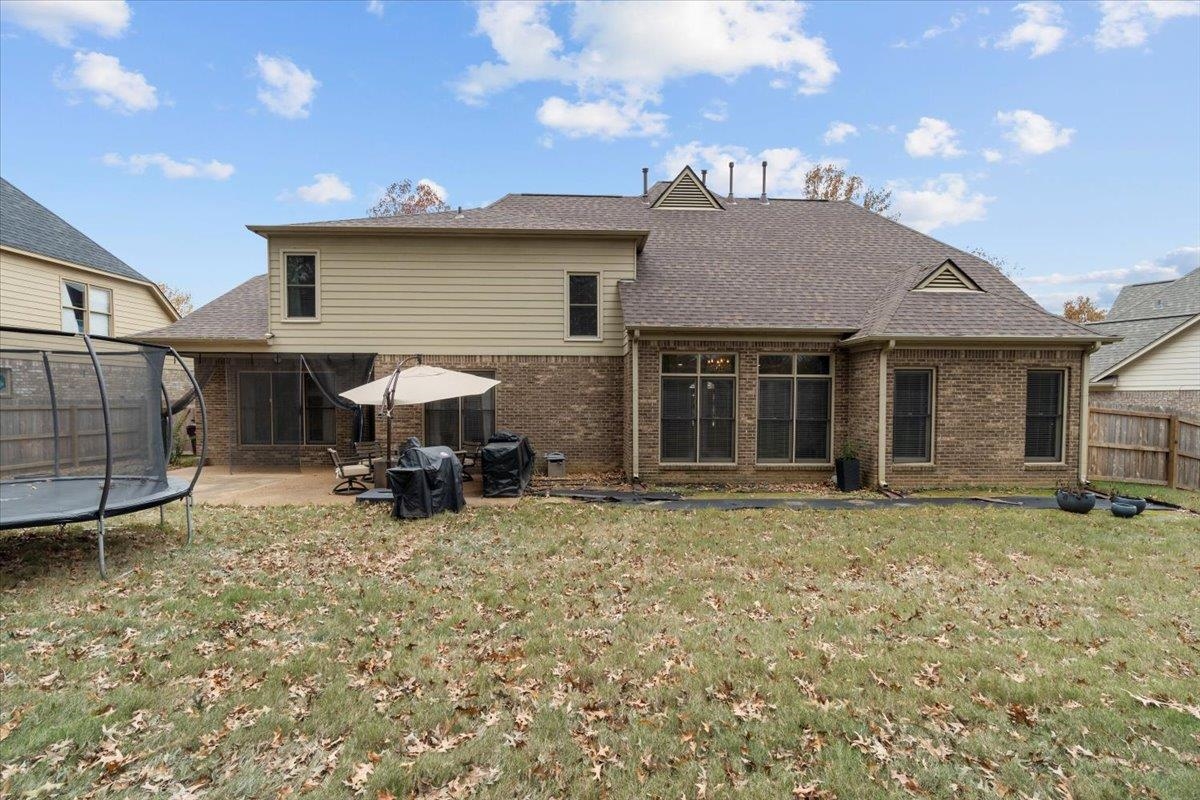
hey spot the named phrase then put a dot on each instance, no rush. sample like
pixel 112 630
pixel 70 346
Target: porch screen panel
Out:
pixel 1043 415
pixel 254 408
pixel 812 419
pixel 287 407
pixel 774 418
pixel 716 419
pixel 912 406
pixel 318 414
pixel 678 419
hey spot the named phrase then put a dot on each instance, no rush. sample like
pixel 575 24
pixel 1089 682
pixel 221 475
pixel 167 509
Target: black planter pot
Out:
pixel 1137 502
pixel 849 477
pixel 1075 502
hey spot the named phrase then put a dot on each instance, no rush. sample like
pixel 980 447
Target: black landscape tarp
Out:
pixel 428 480
pixel 507 464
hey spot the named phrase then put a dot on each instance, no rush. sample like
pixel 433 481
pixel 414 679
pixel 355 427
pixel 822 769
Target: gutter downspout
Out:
pixel 1084 411
pixel 881 456
pixel 636 415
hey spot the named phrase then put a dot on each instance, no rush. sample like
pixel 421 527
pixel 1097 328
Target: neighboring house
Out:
pixel 675 335
pixel 53 276
pixel 1156 365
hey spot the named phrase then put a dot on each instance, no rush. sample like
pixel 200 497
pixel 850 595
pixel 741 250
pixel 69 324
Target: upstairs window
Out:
pixel 583 306
pixel 697 406
pixel 912 416
pixel 300 292
pixel 795 403
pixel 1044 415
pixel 86 309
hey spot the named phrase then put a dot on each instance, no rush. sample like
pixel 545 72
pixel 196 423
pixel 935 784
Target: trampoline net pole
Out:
pixel 100 543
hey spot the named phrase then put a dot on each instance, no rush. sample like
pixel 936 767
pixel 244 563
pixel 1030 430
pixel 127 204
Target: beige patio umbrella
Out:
pixel 416 385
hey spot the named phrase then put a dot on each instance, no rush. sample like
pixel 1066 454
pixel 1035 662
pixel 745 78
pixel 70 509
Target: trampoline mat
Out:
pixel 30 502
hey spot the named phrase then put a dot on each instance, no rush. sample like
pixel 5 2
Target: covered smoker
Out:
pixel 507 464
pixel 428 480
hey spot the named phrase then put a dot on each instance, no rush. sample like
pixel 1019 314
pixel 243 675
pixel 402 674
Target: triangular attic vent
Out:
pixel 686 191
pixel 947 278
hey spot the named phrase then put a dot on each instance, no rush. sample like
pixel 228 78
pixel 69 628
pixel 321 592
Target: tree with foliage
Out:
pixel 999 262
pixel 180 298
pixel 830 182
pixel 1083 309
pixel 406 197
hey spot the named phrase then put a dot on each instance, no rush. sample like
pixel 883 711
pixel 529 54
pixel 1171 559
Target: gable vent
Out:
pixel 687 192
pixel 948 278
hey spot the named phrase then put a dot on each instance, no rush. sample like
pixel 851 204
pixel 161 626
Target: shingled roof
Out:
pixel 26 224
pixel 1143 314
pixel 239 315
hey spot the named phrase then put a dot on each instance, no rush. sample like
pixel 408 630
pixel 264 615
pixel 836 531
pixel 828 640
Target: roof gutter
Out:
pixel 1042 340
pixel 635 467
pixel 638 235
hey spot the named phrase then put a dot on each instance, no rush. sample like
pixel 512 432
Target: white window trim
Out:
pixel 791 461
pixel 87 306
pixel 933 405
pixel 698 375
pixel 1063 406
pixel 599 276
pixel 283 286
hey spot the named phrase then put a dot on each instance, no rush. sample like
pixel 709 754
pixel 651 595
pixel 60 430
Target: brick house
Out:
pixel 675 335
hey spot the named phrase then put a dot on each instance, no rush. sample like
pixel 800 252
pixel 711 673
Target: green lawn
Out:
pixel 557 650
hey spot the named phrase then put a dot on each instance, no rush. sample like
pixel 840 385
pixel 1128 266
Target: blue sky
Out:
pixel 1064 138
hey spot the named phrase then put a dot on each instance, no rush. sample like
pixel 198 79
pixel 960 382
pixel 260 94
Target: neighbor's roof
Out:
pixel 236 316
pixel 26 224
pixel 1144 314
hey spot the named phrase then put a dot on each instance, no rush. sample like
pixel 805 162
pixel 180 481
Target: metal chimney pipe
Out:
pixel 704 177
pixel 645 181
pixel 764 191
pixel 730 180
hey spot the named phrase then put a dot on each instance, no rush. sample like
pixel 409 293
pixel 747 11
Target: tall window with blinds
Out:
pixel 912 416
pixel 697 408
pixel 795 403
pixel 1044 415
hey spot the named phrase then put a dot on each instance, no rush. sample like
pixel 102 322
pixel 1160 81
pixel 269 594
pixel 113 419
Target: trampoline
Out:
pixel 87 424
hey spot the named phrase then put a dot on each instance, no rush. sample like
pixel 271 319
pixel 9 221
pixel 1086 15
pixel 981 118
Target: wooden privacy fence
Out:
pixel 27 435
pixel 1143 447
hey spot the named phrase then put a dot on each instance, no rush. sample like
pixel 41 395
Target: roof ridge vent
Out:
pixel 947 277
pixel 687 192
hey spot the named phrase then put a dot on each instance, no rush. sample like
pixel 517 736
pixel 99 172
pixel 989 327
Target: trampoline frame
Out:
pixel 102 511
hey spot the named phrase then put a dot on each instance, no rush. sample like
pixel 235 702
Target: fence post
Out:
pixel 75 435
pixel 1172 450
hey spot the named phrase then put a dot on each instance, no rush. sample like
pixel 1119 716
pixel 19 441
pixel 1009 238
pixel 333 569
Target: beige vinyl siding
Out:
pixel 1174 364
pixel 31 295
pixel 444 296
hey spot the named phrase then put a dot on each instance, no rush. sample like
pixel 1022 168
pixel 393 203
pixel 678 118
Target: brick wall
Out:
pixel 863 410
pixel 1182 402
pixel 979 425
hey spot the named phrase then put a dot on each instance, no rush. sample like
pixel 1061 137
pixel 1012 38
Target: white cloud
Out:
pixel 603 119
pixel 1043 29
pixel 326 187
pixel 286 89
pixel 992 156
pixel 955 22
pixel 622 54
pixel 1054 288
pixel 138 163
pixel 60 21
pixel 1032 133
pixel 110 84
pixel 716 111
pixel 1129 23
pixel 375 7
pixel 785 171
pixel 932 137
pixel 838 132
pixel 437 188
pixel 938 202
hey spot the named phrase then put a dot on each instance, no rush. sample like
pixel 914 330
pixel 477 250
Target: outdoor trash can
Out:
pixel 556 465
pixel 506 464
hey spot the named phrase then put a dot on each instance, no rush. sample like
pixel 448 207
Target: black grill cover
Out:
pixel 507 464
pixel 428 481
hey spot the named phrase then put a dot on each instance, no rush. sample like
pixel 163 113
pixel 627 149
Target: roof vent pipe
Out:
pixel 730 180
pixel 704 177
pixel 645 181
pixel 764 191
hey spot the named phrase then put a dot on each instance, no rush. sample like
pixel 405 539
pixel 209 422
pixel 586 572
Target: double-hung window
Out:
pixel 283 408
pixel 583 305
pixel 86 309
pixel 912 416
pixel 1044 415
pixel 795 404
pixel 462 422
pixel 300 285
pixel 697 407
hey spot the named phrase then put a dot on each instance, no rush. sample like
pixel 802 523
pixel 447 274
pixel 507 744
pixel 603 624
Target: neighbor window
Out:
pixel 795 401
pixel 1044 415
pixel 462 423
pixel 283 408
pixel 86 309
pixel 912 416
pixel 300 273
pixel 698 393
pixel 583 306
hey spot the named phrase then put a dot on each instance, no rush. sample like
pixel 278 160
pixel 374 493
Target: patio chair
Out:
pixel 368 452
pixel 350 475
